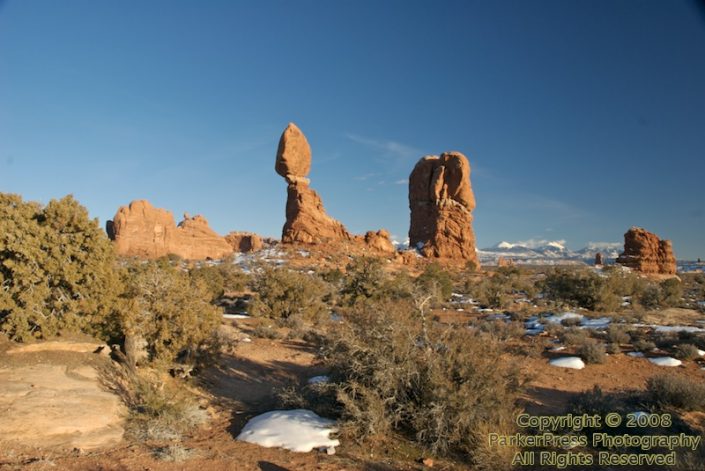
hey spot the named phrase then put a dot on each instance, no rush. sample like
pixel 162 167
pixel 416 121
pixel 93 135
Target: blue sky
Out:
pixel 580 118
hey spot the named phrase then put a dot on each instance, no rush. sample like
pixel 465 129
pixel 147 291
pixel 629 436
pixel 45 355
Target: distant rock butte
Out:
pixel 306 219
pixel 441 202
pixel 244 241
pixel 142 230
pixel 646 253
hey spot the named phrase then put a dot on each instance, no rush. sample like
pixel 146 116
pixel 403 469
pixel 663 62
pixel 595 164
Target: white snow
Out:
pixel 568 362
pixel 701 352
pixel 235 316
pixel 671 328
pixel 296 430
pixel 665 361
pixel 318 379
pixel 558 318
pixel 636 354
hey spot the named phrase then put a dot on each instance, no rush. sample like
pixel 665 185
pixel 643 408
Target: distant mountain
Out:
pixel 547 252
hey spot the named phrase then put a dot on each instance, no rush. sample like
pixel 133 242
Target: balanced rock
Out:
pixel 293 155
pixel 306 219
pixel 646 253
pixel 441 202
pixel 141 230
pixel 244 241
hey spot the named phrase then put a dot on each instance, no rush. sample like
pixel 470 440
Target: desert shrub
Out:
pixel 591 352
pixel 643 345
pixel 57 270
pixel 671 292
pixel 436 281
pixel 672 390
pixel 571 322
pixel 159 409
pixel 668 293
pixel 613 348
pixel 502 330
pixel 170 310
pixel 574 336
pixel 496 291
pixel 265 331
pixel 282 294
pixel 220 279
pixel 581 288
pixel 363 278
pixel 617 334
pixel 687 351
pixel 391 371
pixel 173 453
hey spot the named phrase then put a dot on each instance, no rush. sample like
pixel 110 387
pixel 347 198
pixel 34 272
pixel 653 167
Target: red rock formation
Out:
pixel 646 253
pixel 306 219
pixel 379 241
pixel 598 259
pixel 244 241
pixel 505 262
pixel 142 230
pixel 441 202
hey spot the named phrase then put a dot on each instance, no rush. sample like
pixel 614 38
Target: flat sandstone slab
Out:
pixel 49 406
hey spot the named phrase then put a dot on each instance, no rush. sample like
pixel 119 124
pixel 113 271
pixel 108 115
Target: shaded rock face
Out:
pixel 646 253
pixel 441 202
pixel 244 241
pixel 141 230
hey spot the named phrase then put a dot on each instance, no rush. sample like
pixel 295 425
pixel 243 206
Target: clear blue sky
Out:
pixel 580 118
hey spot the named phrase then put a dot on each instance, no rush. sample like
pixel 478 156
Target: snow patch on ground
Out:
pixel 235 316
pixel 318 379
pixel 568 362
pixel 296 430
pixel 665 361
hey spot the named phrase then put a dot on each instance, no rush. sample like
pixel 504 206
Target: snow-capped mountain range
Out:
pixel 548 252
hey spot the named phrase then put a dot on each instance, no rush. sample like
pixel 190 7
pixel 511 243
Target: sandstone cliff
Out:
pixel 142 230
pixel 646 253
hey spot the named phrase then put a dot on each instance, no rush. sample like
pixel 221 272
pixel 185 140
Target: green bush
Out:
pixel 57 270
pixel 170 310
pixel 672 390
pixel 363 279
pixel 392 371
pixel 437 282
pixel 282 294
pixel 220 279
pixel 581 288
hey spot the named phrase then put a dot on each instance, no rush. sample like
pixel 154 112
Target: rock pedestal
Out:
pixel 441 202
